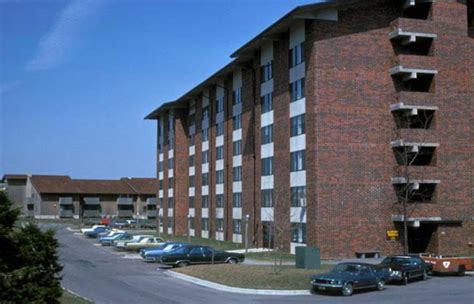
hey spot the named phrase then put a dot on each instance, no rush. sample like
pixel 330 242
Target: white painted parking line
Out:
pixel 96 244
pixel 75 230
pixel 132 257
pixel 77 233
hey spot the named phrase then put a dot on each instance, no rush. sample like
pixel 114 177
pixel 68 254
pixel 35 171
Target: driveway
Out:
pixel 106 276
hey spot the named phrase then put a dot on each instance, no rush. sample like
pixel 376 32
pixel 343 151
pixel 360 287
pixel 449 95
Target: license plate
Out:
pixel 322 288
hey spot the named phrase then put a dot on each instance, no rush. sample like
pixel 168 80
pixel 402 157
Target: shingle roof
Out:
pixel 103 186
pixel 142 185
pixel 54 184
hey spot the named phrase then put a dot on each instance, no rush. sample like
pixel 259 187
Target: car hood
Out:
pixel 394 266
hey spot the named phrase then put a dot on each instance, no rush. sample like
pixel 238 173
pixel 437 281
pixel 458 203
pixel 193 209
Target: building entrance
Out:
pixel 422 238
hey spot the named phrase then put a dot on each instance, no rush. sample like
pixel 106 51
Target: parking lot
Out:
pixel 104 275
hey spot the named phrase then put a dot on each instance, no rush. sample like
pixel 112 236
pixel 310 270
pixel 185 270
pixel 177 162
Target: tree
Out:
pixel 408 155
pixel 29 268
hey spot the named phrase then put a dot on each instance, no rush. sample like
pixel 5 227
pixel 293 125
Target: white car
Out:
pixel 134 239
pixel 84 230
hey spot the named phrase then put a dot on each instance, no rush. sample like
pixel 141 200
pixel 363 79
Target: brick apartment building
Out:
pixel 321 124
pixel 59 196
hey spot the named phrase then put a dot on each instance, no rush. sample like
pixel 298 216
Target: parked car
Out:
pixel 108 240
pixel 110 232
pixel 95 233
pixel 152 254
pixel 84 230
pixel 403 268
pixel 347 277
pixel 195 254
pixel 136 238
pixel 448 264
pixel 146 242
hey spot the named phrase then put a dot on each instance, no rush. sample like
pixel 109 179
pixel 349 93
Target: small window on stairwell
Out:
pixel 409 43
pixel 416 193
pixel 470 17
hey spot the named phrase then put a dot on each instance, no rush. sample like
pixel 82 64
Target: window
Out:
pixel 191 223
pixel 160 185
pixel 298 232
pixel 191 181
pixel 267 102
pixel 266 71
pixel 237 226
pixel 205 113
pixel 297 161
pixel 170 182
pixel 267 134
pixel 237 122
pixel 160 203
pixel 205 179
pixel 237 148
pixel 161 221
pixel 170 142
pixel 297 89
pixel 297 125
pixel 267 166
pixel 205 224
pixel 160 166
pixel 220 201
pixel 205 134
pixel 205 201
pixel 220 152
pixel 236 96
pixel 298 196
pixel 170 222
pixel 296 55
pixel 220 105
pixel 170 202
pixel 170 163
pixel 237 200
pixel 191 140
pixel 237 174
pixel 191 160
pixel 220 177
pixel 220 129
pixel 220 225
pixel 267 197
pixel 191 202
pixel 205 157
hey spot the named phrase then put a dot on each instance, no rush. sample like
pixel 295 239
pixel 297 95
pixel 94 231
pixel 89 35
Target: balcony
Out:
pixel 151 213
pixel 415 190
pixel 417 9
pixel 414 153
pixel 127 213
pixel 412 79
pixel 412 43
pixel 66 213
pixel 91 213
pixel 413 116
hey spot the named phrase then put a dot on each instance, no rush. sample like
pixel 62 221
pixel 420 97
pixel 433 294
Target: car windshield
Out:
pixel 170 247
pixel 396 260
pixel 346 268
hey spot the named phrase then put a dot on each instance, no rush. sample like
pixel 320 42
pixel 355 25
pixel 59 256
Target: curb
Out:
pixel 226 288
pixel 77 295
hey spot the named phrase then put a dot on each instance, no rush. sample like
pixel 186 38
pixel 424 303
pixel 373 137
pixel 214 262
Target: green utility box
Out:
pixel 307 257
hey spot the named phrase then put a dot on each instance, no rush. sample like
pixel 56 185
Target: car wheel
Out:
pixel 347 289
pixel 380 284
pixel 182 264
pixel 405 279
pixel 232 261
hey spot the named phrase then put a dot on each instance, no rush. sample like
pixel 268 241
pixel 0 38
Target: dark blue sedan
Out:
pixel 95 233
pixel 152 254
pixel 347 277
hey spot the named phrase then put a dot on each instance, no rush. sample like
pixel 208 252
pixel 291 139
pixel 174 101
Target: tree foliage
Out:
pixel 29 267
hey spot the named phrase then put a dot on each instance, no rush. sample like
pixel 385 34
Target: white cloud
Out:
pixel 60 40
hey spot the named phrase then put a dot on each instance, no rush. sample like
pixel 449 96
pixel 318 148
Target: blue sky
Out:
pixel 77 77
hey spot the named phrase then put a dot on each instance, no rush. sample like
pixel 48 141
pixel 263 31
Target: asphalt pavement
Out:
pixel 105 276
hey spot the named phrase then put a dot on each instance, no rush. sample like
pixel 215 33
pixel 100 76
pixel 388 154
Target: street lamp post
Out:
pixel 247 217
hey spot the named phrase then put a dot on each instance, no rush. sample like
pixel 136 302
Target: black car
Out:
pixel 347 277
pixel 403 268
pixel 195 254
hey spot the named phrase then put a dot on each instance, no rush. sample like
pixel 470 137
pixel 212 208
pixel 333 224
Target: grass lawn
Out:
pixel 69 298
pixel 256 277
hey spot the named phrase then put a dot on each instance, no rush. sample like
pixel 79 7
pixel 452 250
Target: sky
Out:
pixel 77 77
